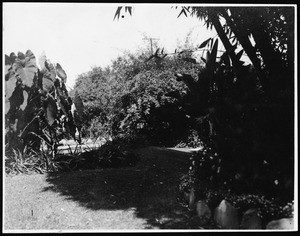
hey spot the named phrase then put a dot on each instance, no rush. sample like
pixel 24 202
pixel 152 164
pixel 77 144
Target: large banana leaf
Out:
pixel 61 73
pixel 42 60
pixel 8 67
pixel 78 104
pixel 211 61
pixel 10 86
pixel 7 106
pixel 64 105
pixel 202 45
pixel 62 98
pixel 51 69
pixel 26 67
pixel 11 58
pixel 16 99
pixel 24 104
pixel 10 79
pixel 49 75
pixel 51 109
pixel 48 84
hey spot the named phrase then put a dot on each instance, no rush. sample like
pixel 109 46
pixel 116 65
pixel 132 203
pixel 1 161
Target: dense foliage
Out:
pixel 38 108
pixel 245 113
pixel 131 97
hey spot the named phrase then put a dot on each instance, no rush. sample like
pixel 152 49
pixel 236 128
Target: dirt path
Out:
pixel 132 198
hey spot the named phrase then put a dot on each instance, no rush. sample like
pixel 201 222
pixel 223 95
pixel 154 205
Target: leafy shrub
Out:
pixel 97 128
pixel 207 178
pixel 209 171
pixel 117 153
pixel 145 109
pixel 268 208
pixel 134 89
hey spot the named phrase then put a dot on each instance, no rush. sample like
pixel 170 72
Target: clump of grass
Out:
pixel 27 161
pixel 23 162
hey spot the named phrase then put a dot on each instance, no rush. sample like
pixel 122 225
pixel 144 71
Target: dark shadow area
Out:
pixel 151 187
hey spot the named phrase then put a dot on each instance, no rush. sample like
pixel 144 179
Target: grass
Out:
pixel 140 197
pixel 21 162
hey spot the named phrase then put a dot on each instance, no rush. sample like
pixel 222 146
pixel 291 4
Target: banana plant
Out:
pixel 36 99
pixel 216 84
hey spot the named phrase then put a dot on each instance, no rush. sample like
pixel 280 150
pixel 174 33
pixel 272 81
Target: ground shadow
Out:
pixel 151 187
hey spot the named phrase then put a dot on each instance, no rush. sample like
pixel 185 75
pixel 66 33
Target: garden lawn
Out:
pixel 128 198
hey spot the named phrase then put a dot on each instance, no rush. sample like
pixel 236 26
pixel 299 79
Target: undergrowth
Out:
pixel 115 153
pixel 27 161
pixel 208 181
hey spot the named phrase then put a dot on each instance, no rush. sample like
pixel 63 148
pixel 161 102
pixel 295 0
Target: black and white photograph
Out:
pixel 149 117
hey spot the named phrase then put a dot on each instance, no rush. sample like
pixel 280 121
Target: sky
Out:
pixel 80 36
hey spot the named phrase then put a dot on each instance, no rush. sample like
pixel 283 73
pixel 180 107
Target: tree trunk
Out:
pixel 245 42
pixel 228 46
